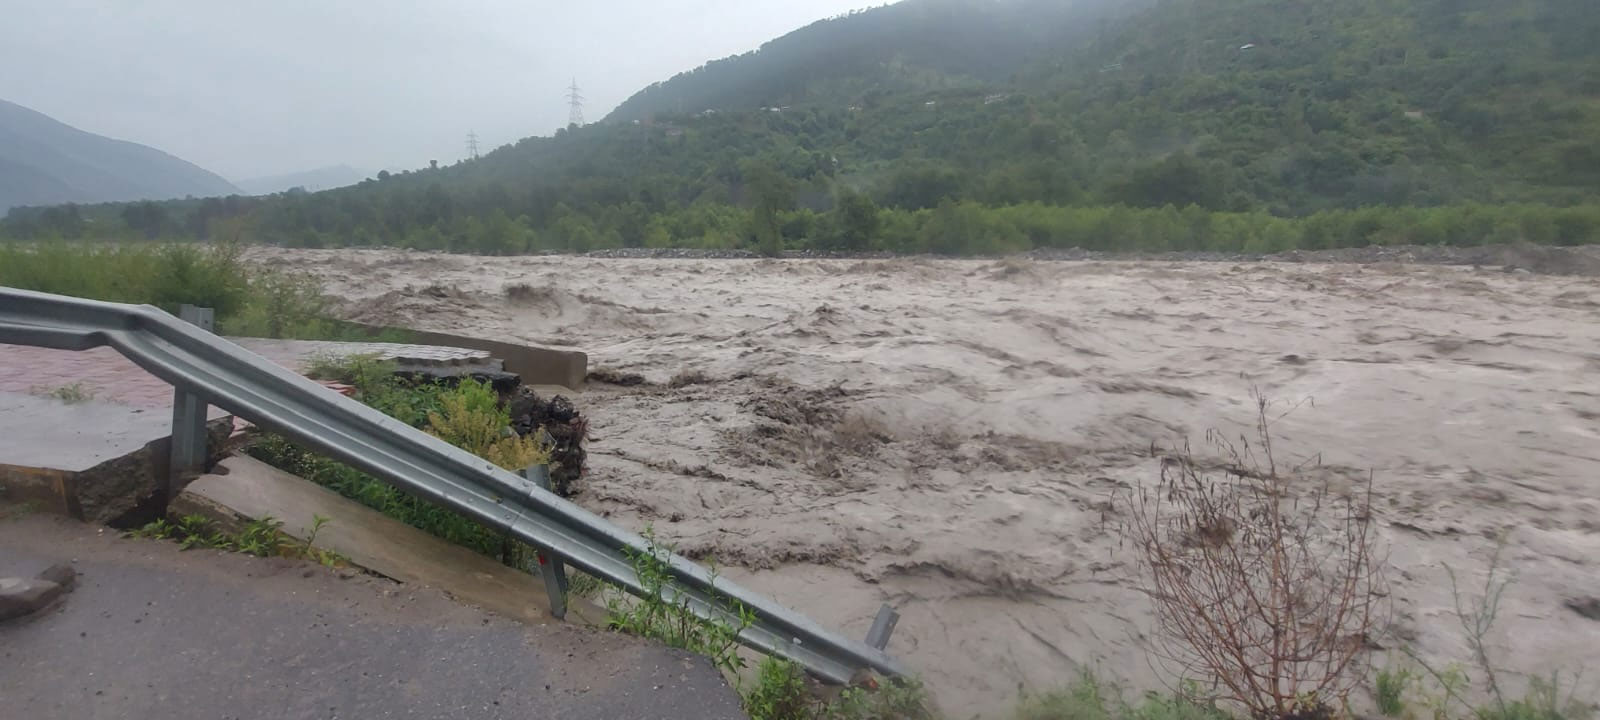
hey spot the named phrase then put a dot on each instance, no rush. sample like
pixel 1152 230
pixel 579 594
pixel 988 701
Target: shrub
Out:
pixel 467 416
pixel 470 417
pixel 662 612
pixel 1090 699
pixel 1542 701
pixel 1390 691
pixel 1263 580
pixel 780 692
pixel 278 305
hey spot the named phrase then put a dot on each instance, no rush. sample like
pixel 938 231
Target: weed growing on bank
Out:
pixel 662 613
pixel 780 689
pixel 1425 691
pixel 73 394
pixel 261 538
pixel 1089 698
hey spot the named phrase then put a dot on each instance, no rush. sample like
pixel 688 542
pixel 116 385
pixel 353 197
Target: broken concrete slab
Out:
pixel 437 363
pixel 25 596
pixel 535 365
pixel 243 489
pixel 296 354
pixel 91 460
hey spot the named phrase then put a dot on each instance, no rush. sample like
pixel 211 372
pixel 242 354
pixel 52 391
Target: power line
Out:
pixel 575 102
pixel 472 144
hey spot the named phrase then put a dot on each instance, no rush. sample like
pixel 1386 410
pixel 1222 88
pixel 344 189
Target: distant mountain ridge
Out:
pixel 47 162
pixel 323 178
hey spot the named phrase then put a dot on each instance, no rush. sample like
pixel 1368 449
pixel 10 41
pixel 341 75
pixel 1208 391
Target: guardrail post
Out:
pixel 188 457
pixel 882 627
pixel 551 568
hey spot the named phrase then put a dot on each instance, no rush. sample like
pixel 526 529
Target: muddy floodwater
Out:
pixel 948 436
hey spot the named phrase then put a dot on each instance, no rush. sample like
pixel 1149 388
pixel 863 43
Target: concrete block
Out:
pixel 92 461
pixel 26 596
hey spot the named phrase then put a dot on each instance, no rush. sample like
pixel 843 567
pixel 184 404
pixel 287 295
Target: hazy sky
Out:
pixel 247 88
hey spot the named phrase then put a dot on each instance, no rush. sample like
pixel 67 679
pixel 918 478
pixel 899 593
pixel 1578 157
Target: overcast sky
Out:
pixel 247 88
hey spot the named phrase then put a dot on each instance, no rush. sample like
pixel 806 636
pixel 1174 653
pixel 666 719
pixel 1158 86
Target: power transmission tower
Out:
pixel 472 144
pixel 575 102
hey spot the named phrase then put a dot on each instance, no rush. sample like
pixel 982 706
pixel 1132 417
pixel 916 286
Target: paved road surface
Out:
pixel 153 632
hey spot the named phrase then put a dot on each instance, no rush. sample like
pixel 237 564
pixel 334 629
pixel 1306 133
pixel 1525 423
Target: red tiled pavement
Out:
pixel 101 371
pixel 113 378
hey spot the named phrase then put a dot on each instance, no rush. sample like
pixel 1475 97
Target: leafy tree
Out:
pixel 1178 180
pixel 146 218
pixel 856 222
pixel 915 188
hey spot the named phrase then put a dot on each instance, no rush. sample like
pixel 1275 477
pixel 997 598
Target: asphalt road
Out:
pixel 155 632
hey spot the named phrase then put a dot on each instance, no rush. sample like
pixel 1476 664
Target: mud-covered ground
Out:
pixel 947 436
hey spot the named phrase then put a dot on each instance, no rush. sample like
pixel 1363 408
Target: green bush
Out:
pixel 1390 689
pixel 279 305
pixel 476 416
pixel 1090 699
pixel 780 692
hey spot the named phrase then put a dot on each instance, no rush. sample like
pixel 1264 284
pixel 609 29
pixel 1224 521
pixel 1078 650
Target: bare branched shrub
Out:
pixel 1265 580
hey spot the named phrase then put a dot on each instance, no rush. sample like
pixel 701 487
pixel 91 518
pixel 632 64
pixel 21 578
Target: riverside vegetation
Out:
pixel 249 302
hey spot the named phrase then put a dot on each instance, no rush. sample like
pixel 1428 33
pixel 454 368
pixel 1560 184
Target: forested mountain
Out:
pixel 45 162
pixel 1353 102
pixel 912 46
pixel 1276 111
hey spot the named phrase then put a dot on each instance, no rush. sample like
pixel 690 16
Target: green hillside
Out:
pixel 1276 123
pixel 1354 102
pixel 912 46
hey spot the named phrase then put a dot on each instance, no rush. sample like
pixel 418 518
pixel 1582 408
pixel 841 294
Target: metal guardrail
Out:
pixel 220 373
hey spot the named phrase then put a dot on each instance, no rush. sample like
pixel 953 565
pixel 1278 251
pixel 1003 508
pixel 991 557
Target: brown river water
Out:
pixel 947 436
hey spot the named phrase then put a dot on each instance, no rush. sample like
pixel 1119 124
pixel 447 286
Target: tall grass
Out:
pixel 162 275
pixel 249 301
